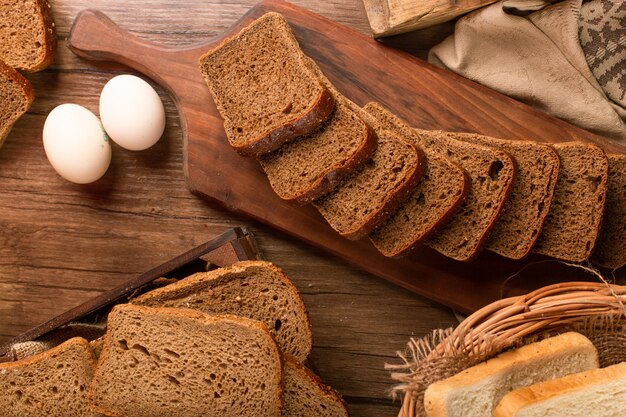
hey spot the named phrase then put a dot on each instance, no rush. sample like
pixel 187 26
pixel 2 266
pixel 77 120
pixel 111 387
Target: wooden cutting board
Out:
pixel 364 70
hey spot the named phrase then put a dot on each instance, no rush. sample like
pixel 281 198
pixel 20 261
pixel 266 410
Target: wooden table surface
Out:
pixel 61 243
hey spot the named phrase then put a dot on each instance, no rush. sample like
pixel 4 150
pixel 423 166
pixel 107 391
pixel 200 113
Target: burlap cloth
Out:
pixel 568 59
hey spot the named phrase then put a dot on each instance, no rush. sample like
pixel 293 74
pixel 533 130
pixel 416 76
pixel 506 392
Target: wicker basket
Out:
pixel 596 310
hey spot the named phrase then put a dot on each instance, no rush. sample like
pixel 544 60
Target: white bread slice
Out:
pixel 52 384
pixel 477 390
pixel 175 362
pixel 595 393
pixel 254 289
pixel 306 396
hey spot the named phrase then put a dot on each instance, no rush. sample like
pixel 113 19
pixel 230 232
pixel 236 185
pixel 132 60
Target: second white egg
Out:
pixel 132 113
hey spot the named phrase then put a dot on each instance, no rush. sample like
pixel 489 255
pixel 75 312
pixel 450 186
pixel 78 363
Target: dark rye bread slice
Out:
pixel 306 396
pixel 16 97
pixel 262 87
pixel 610 250
pixel 175 362
pixel 307 168
pixel 368 197
pixel 52 384
pixel 522 217
pixel 573 222
pixel 27 34
pixel 491 174
pixel 365 199
pixel 432 203
pixel 254 289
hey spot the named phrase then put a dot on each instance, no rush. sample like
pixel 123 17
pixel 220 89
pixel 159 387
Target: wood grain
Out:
pixel 61 244
pixel 360 67
pixel 393 17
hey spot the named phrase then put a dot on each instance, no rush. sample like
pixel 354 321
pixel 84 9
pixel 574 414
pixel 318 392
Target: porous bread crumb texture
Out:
pixel 610 250
pixel 312 165
pixel 253 289
pixel 598 392
pixel 573 222
pixel 491 175
pixel 51 384
pixel 262 88
pixel 166 362
pixel 306 396
pixel 16 96
pixel 434 200
pixel 524 212
pixel 476 391
pixel 367 198
pixel 27 35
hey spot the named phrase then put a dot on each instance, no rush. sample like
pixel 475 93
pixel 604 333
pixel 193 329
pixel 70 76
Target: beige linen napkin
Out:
pixel 568 59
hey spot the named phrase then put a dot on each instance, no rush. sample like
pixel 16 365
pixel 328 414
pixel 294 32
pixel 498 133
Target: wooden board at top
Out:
pixel 364 70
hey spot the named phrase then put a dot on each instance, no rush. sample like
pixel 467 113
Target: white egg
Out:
pixel 132 112
pixel 76 144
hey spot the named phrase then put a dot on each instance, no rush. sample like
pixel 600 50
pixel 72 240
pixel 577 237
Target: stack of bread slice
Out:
pixel 557 377
pixel 372 175
pixel 230 342
pixel 27 43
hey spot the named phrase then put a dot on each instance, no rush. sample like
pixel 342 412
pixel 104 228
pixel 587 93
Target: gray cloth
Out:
pixel 568 59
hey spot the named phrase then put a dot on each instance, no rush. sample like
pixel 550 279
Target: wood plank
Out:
pixel 360 67
pixel 393 17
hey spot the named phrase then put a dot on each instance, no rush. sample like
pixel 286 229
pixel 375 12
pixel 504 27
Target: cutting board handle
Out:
pixel 94 36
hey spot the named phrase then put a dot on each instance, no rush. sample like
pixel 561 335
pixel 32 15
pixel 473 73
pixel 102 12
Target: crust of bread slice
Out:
pixel 475 391
pixel 8 73
pixel 598 392
pixel 45 12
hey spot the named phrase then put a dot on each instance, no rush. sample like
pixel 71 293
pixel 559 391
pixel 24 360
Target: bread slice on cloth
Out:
pixel 16 97
pixel 306 396
pixel 610 250
pixel 491 172
pixel 594 393
pixel 309 167
pixel 262 87
pixel 433 202
pixel 477 390
pixel 525 211
pixel 571 229
pixel 27 34
pixel 254 289
pixel 174 362
pixel 52 384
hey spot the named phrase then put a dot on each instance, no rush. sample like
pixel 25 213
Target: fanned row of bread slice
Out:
pixel 230 342
pixel 27 43
pixel 370 174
